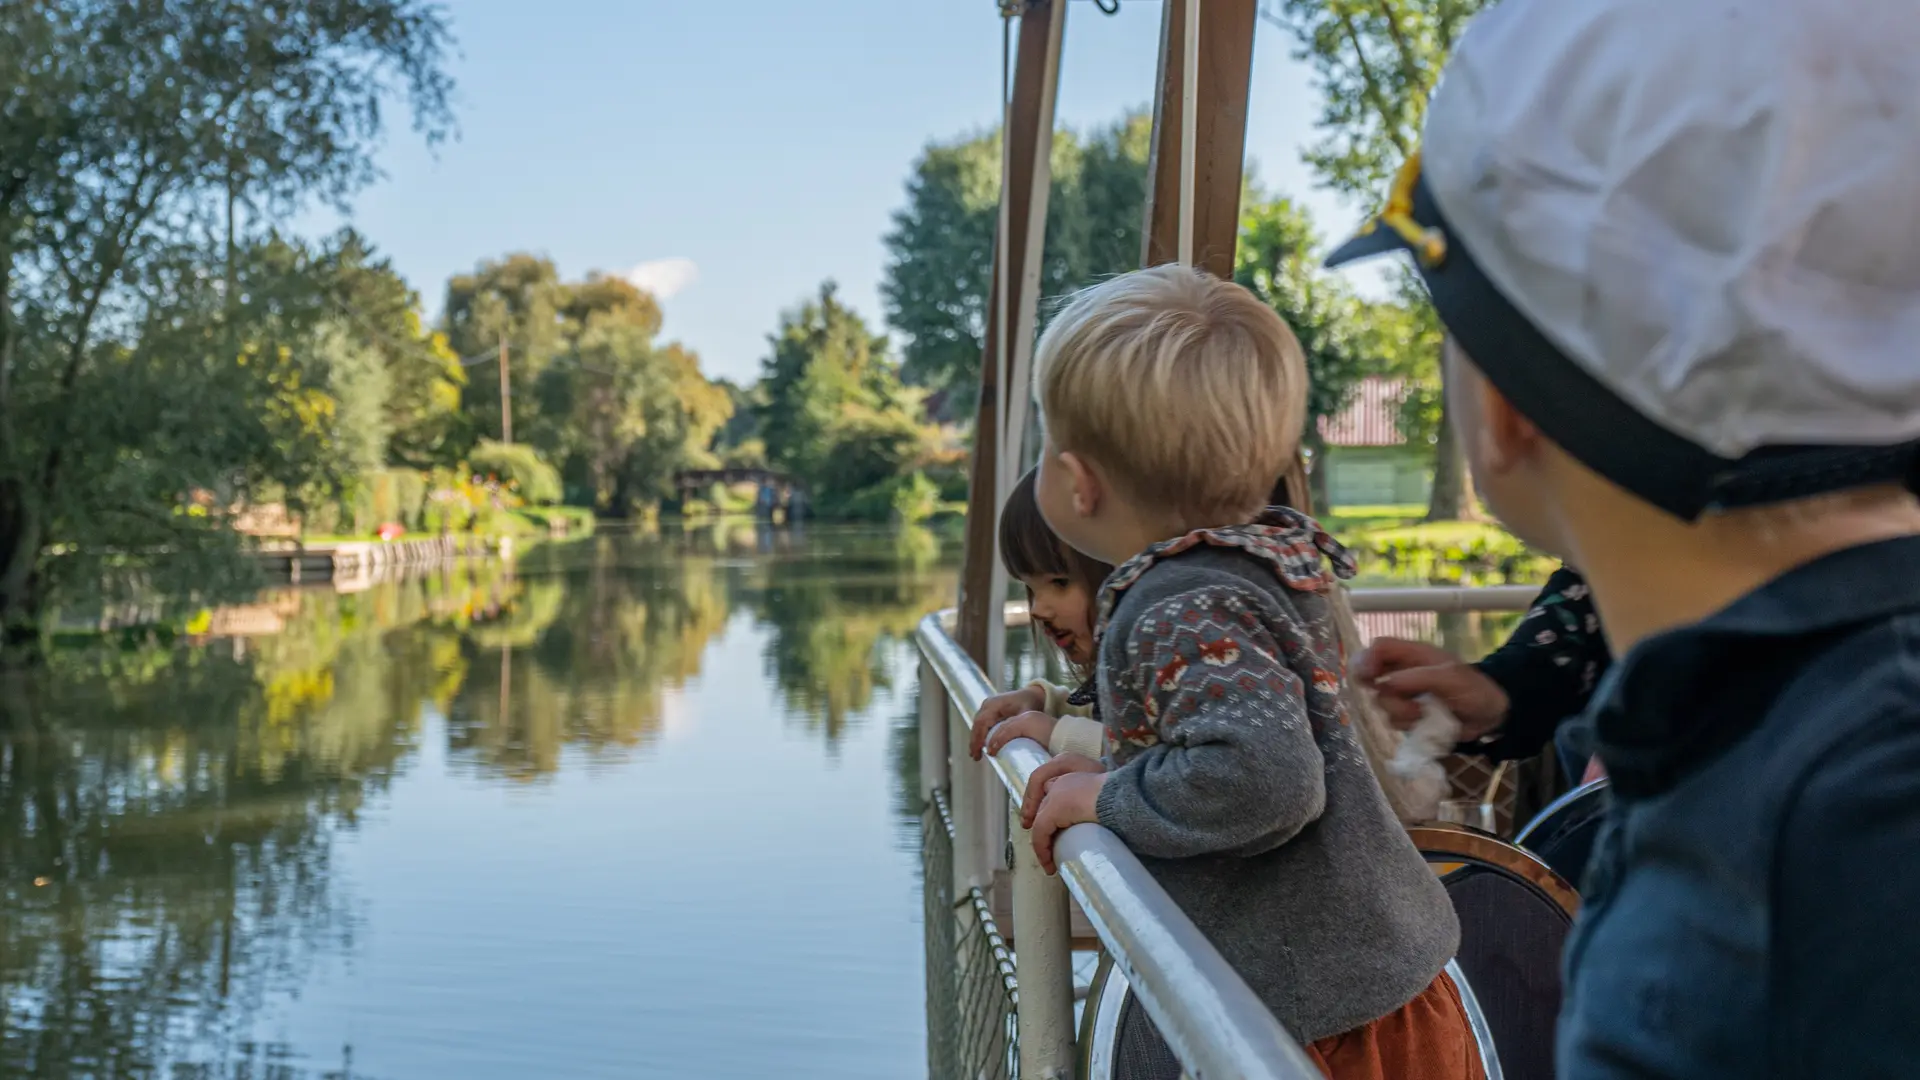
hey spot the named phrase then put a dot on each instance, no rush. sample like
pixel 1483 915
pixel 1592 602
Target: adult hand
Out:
pixel 1400 672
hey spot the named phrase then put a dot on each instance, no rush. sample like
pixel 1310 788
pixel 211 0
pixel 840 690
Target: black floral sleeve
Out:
pixel 1548 668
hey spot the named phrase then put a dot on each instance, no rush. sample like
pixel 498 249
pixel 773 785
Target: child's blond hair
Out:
pixel 1186 389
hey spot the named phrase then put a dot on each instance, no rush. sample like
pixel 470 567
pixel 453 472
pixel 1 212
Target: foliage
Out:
pixel 1449 554
pixel 360 386
pixel 517 299
pixel 1276 259
pixel 379 312
pixel 940 248
pixel 1405 335
pixel 592 388
pixel 870 472
pixel 559 520
pixel 520 468
pixel 1375 62
pixel 837 416
pixel 738 441
pixel 135 134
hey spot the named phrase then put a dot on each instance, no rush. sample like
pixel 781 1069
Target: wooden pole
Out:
pixel 1027 140
pixel 506 396
pixel 1217 151
pixel 1189 114
pixel 1221 83
pixel 1026 237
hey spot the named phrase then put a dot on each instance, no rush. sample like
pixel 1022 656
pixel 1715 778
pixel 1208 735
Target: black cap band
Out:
pixel 1598 427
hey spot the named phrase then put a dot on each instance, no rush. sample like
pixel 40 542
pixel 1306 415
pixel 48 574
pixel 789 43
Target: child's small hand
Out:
pixel 1070 799
pixel 1003 707
pixel 1037 726
pixel 1045 774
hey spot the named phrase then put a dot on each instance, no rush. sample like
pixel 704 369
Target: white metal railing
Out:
pixel 1446 598
pixel 1209 1016
pixel 1205 1010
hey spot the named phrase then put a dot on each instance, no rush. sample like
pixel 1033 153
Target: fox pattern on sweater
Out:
pixel 1236 777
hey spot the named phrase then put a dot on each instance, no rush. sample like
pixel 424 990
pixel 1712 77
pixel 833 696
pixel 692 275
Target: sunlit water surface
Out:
pixel 638 808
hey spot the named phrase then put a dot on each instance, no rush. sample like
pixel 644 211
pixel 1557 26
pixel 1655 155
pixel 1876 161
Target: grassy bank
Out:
pixel 1393 542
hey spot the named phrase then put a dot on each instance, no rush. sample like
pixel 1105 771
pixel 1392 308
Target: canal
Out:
pixel 638 808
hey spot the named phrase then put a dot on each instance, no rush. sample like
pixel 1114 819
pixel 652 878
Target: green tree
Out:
pixel 593 390
pixel 360 386
pixel 1375 63
pixel 519 300
pixel 680 417
pixel 737 442
pixel 836 414
pixel 133 132
pixel 423 374
pixel 940 248
pixel 520 467
pixel 1277 259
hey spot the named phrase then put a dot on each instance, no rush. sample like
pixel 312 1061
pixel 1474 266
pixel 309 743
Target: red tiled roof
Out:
pixel 1372 415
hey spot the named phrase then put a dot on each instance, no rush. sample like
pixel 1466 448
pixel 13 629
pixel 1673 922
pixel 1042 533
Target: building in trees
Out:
pixel 1368 458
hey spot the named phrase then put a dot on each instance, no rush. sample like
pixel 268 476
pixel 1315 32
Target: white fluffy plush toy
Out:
pixel 1416 761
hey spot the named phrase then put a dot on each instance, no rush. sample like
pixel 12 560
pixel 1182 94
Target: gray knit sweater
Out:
pixel 1238 781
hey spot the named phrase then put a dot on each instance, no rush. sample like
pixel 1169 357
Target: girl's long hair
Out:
pixel 1378 738
pixel 1029 549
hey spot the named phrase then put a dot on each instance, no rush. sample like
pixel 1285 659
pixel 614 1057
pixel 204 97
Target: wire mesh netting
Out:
pixel 972 1033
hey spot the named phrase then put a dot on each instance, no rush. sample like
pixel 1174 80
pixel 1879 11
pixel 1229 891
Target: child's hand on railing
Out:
pixel 1070 799
pixel 1037 726
pixel 1047 774
pixel 1004 707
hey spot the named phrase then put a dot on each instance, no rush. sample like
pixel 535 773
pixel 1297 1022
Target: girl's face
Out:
pixel 1064 609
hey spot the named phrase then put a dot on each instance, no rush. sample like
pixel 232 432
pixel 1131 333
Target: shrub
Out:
pixel 520 468
pixel 1450 557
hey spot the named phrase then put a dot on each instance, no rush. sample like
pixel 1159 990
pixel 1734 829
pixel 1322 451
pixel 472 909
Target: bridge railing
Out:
pixel 1209 1016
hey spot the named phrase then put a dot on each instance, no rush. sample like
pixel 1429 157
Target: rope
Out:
pixel 1189 120
pixel 1006 63
pixel 1003 237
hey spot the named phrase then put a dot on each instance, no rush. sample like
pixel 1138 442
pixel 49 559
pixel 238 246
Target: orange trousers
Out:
pixel 1428 1038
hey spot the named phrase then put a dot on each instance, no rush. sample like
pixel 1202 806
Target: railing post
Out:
pixel 972 787
pixel 933 732
pixel 1043 962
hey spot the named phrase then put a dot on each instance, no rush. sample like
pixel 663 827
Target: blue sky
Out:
pixel 765 142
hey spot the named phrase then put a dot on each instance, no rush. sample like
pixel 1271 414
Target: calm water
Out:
pixel 637 809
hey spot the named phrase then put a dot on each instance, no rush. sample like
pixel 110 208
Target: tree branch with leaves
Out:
pixel 1374 63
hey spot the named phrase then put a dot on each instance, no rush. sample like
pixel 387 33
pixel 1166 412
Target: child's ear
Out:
pixel 1085 483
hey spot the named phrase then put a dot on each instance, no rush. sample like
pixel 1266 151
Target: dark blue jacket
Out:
pixel 1753 907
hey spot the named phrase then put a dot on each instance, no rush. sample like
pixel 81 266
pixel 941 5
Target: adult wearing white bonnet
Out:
pixel 1676 245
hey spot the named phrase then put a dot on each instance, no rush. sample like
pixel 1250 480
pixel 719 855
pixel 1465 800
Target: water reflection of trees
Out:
pixel 602 632
pixel 833 607
pixel 167 817
pixel 585 660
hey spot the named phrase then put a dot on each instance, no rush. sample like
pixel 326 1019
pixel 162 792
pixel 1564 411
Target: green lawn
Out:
pixel 1437 533
pixel 1342 520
